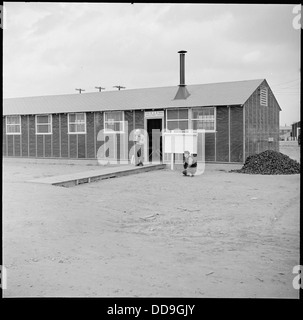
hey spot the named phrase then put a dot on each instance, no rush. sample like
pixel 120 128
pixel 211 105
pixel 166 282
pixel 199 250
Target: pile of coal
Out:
pixel 269 162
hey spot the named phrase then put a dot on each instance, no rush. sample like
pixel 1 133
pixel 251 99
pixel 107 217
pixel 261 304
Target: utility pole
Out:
pixel 80 90
pixel 100 88
pixel 119 87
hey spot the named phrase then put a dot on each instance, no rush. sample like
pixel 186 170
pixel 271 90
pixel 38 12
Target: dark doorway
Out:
pixel 154 128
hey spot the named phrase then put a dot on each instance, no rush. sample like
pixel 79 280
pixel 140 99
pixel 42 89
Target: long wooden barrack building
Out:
pixel 240 118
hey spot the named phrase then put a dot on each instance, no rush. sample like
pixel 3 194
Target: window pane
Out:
pixel 199 124
pixel 13 128
pixel 80 127
pixel 196 113
pixel 116 116
pixel 13 120
pixel 109 126
pixel 199 113
pixel 174 125
pixel 80 117
pixel 43 119
pixel 117 126
pixel 176 114
pixel 72 128
pixel 72 117
pixel 211 111
pixel 196 125
pixel 172 114
pixel 43 128
pixel 183 114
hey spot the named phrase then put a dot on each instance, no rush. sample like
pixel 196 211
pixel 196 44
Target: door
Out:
pixel 154 127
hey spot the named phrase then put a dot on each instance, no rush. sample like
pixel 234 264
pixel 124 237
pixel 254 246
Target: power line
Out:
pixel 288 87
pixel 282 83
pixel 80 90
pixel 288 90
pixel 288 93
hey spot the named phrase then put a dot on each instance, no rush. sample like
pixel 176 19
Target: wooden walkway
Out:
pixel 74 179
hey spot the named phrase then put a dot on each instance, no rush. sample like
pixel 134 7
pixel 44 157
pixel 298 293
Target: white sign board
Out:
pixel 154 114
pixel 180 142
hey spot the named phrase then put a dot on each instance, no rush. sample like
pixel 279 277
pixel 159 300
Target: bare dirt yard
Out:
pixel 154 234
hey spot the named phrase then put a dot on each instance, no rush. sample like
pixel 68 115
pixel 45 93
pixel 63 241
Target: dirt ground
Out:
pixel 155 234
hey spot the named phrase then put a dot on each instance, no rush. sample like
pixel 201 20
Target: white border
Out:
pixel 191 119
pixel 68 123
pixel 112 131
pixel 215 119
pixel 167 120
pixel 49 123
pixel 13 133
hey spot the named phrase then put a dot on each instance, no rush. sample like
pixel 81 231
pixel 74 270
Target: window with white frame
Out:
pixel 114 121
pixel 13 125
pixel 203 118
pixel 76 123
pixel 263 96
pixel 177 119
pixel 44 124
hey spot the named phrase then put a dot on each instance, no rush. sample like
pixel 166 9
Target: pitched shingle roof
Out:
pixel 212 94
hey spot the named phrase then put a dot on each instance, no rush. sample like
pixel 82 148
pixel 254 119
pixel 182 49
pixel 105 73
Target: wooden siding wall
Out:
pixel 261 123
pixel 60 144
pixel 228 136
pixel 4 138
pixel 236 134
pixel 129 117
pixel 222 140
pixel 56 136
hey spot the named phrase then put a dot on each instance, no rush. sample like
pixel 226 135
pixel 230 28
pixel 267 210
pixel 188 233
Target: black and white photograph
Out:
pixel 151 150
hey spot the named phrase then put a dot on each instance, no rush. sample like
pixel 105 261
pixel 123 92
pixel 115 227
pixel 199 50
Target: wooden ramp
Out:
pixel 74 179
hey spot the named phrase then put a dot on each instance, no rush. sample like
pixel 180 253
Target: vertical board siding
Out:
pixel 128 116
pixel 56 136
pixel 10 145
pixel 40 152
pixel 118 144
pixel 64 136
pixel 222 134
pixel 98 127
pixel 209 146
pixel 17 145
pixel 236 134
pixel 73 146
pixel 139 119
pixel 268 123
pixel 90 135
pixel 24 132
pixel 81 146
pixel 32 136
pixel 247 128
pixel 4 137
pixel 47 145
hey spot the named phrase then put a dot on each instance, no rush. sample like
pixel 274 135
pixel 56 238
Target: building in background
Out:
pixel 296 129
pixel 285 133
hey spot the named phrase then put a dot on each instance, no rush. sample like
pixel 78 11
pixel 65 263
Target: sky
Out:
pixel 54 48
